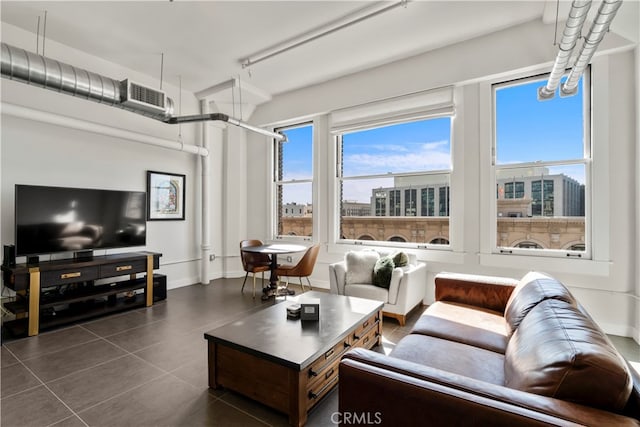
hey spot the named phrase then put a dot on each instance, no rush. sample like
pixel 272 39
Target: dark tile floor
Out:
pixel 148 367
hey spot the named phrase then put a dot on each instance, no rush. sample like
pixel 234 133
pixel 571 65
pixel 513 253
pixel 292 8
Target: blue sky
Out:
pixel 527 130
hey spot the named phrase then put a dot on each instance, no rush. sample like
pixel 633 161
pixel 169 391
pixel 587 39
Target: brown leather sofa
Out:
pixel 496 352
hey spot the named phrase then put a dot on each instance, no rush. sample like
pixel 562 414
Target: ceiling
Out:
pixel 203 43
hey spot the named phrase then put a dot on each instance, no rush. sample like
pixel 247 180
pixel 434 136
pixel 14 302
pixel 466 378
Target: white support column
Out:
pixel 637 112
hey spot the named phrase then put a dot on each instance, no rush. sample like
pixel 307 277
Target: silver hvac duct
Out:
pixel 570 35
pixel 33 69
pixel 600 26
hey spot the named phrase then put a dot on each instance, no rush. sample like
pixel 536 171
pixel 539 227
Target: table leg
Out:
pixel 271 290
pixel 273 279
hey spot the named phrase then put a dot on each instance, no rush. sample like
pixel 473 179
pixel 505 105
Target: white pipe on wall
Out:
pixel 72 123
pixel 206 208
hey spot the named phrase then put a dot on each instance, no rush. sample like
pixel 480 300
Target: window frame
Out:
pixel 586 161
pixel 447 173
pixel 276 182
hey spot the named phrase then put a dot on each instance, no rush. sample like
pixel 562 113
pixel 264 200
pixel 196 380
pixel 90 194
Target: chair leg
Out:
pixel 301 285
pixel 254 285
pixel 309 282
pixel 245 281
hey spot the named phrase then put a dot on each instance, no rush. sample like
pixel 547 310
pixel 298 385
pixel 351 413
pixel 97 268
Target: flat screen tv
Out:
pixel 60 219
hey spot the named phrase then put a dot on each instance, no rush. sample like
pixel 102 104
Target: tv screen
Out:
pixel 60 219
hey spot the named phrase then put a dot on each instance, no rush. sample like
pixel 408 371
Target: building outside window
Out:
pixel 427 202
pixel 410 202
pixel 541 163
pixel 400 170
pixel 293 181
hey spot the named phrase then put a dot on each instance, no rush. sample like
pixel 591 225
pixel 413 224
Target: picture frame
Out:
pixel 165 196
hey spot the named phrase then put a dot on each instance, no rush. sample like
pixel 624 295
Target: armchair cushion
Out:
pixel 367 291
pixel 400 259
pixel 360 265
pixel 382 272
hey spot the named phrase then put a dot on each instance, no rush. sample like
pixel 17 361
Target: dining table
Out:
pixel 273 250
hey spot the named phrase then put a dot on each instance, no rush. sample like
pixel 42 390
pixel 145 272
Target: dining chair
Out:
pixel 253 262
pixel 303 268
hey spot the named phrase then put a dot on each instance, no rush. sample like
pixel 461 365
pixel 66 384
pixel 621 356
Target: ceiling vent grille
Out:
pixel 138 96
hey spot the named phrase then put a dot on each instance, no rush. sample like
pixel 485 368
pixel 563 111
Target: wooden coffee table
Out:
pixel 287 364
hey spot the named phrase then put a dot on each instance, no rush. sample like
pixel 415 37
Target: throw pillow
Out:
pixel 360 266
pixel 400 259
pixel 382 272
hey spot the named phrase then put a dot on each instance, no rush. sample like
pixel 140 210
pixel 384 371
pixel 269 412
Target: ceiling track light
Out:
pixel 337 25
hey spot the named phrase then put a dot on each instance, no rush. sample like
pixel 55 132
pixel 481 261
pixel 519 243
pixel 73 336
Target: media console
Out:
pixel 52 293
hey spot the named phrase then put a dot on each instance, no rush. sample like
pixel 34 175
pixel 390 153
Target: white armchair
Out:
pixel 406 290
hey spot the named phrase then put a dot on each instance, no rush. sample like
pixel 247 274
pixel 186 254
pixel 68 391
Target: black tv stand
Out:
pixel 83 255
pixel 70 290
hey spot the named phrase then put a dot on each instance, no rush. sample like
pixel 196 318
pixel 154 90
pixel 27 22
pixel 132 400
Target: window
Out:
pixel 427 206
pixel 410 202
pixel 293 180
pixel 403 172
pixel 542 154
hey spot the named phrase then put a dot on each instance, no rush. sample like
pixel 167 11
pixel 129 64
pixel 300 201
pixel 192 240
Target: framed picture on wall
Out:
pixel 165 196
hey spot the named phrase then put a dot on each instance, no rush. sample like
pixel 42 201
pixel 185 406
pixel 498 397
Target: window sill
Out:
pixel 548 264
pixel 445 255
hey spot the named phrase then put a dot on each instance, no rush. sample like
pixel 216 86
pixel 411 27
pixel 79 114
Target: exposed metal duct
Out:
pixel 600 26
pixel 570 35
pixel 33 69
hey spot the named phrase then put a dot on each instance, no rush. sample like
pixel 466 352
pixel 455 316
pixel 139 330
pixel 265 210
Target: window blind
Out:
pixel 417 106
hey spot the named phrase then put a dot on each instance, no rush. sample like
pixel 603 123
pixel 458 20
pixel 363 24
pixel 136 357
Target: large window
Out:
pixel 542 156
pixel 293 180
pixel 402 172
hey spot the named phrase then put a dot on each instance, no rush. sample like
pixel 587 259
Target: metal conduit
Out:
pixel 570 35
pixel 600 26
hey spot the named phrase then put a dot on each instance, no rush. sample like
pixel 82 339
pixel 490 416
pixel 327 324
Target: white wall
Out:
pixel 606 285
pixel 33 152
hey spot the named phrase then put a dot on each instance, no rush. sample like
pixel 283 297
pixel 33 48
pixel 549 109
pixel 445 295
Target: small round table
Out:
pixel 273 250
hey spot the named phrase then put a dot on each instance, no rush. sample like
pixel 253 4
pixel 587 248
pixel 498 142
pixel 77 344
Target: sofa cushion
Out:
pixel 532 289
pixel 360 266
pixel 465 324
pixel 367 291
pixel 400 259
pixel 451 356
pixel 559 352
pixel 382 272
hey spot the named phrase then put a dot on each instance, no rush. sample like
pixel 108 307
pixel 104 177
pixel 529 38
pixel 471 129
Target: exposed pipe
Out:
pixel 33 69
pixel 83 125
pixel 206 208
pixel 339 24
pixel 570 35
pixel 600 26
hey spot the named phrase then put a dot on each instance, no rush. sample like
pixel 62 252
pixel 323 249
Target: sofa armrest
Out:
pixel 408 285
pixel 489 292
pixel 337 277
pixel 398 392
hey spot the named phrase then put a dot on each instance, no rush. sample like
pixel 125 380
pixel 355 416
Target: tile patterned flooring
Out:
pixel 148 367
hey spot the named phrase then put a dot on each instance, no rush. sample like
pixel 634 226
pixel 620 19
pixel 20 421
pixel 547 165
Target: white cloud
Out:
pixel 380 159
